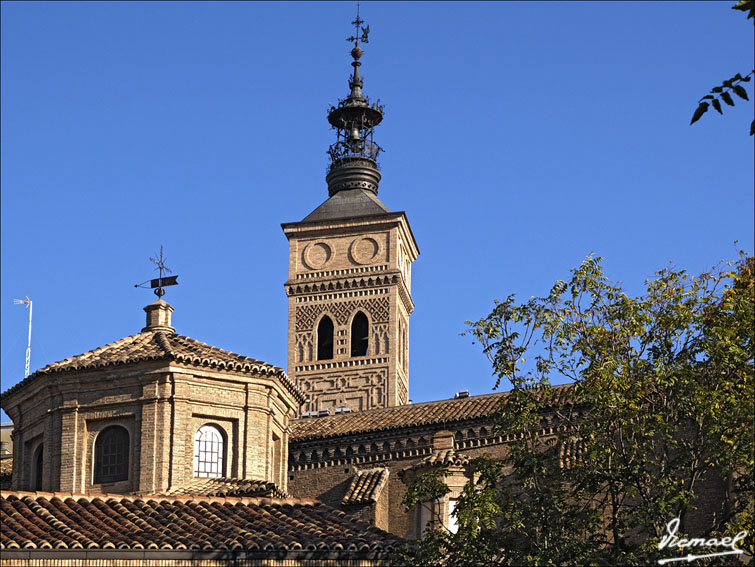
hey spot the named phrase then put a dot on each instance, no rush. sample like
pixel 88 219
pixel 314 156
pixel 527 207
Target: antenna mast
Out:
pixel 28 304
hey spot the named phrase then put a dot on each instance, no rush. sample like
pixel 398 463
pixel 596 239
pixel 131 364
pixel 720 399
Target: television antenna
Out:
pixel 26 302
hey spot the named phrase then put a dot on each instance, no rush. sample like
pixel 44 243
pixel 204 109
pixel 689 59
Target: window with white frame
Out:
pixel 209 450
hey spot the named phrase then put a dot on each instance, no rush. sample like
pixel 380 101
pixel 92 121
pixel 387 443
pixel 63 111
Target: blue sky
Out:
pixel 520 137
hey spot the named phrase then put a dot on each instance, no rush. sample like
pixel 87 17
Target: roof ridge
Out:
pixel 90 352
pixel 372 411
pixel 169 497
pixel 447 411
pixel 162 341
pixel 226 351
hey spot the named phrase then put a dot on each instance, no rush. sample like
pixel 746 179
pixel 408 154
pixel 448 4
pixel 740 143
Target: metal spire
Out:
pixel 353 157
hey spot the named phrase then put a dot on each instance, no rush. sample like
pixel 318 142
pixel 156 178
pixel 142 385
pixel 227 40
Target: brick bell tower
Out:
pixel 349 282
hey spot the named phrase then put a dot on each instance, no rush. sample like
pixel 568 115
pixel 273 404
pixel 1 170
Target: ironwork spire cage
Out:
pixel 353 156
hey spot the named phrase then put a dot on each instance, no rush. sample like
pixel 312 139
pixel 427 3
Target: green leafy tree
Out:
pixel 659 408
pixel 734 85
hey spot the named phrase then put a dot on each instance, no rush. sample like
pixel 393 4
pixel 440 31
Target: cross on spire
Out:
pixel 356 38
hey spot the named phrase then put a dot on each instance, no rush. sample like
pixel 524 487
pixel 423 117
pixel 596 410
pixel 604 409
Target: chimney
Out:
pixel 158 317
pixel 443 441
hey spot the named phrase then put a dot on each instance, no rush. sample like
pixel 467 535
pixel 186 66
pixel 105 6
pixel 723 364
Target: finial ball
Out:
pixel 356 53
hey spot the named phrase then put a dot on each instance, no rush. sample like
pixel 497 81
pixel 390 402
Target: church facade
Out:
pixel 159 449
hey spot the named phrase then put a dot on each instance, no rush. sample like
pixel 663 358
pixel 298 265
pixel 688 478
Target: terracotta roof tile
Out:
pixel 71 521
pixel 159 345
pixel 445 458
pixel 437 460
pixel 228 487
pixel 366 486
pixel 427 413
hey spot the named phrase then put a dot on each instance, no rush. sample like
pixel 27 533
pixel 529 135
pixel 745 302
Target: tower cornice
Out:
pixel 303 229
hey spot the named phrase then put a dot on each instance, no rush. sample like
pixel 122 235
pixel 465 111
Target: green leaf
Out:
pixel 752 128
pixel 717 89
pixel 727 98
pixel 745 6
pixel 740 91
pixel 702 109
pixel 717 105
pixel 708 97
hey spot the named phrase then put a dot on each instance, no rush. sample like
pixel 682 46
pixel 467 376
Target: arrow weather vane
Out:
pixel 159 283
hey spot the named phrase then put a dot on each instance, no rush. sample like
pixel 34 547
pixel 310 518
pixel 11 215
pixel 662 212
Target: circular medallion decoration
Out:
pixel 316 255
pixel 364 250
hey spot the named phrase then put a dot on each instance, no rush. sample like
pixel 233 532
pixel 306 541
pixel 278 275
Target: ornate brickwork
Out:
pixel 356 388
pixel 380 339
pixel 307 315
pixel 338 268
pixel 304 347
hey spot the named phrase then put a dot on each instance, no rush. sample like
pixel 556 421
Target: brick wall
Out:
pixel 323 469
pixel 337 269
pixel 318 468
pixel 161 405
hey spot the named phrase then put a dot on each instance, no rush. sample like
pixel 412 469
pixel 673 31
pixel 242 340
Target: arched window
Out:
pixel 209 452
pixel 360 335
pixel 325 339
pixel 36 476
pixel 111 455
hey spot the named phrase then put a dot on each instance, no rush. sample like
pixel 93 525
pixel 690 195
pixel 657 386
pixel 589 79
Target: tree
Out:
pixel 658 410
pixel 729 86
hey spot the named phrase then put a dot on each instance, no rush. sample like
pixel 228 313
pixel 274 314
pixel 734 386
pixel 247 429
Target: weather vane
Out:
pixel 158 283
pixel 365 31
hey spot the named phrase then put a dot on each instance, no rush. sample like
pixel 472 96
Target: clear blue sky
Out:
pixel 520 137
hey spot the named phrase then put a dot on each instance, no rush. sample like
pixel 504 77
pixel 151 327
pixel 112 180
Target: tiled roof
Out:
pixel 69 521
pixel 228 487
pixel 445 458
pixel 161 345
pixel 438 459
pixel 366 486
pixel 427 413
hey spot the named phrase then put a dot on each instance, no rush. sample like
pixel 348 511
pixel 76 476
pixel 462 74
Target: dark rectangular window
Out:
pixel 111 455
